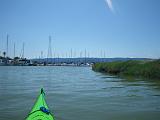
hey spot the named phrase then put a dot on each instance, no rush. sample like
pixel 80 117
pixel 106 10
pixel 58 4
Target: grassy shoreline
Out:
pixel 147 69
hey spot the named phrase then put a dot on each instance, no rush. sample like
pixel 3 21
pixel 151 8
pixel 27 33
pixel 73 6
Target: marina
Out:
pixel 79 60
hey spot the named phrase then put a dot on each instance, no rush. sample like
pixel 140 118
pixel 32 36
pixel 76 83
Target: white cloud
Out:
pixel 110 5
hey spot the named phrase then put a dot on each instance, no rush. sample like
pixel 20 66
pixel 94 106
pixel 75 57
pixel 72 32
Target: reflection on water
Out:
pixel 77 93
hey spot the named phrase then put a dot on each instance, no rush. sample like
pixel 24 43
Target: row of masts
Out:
pixel 6 52
pixel 71 54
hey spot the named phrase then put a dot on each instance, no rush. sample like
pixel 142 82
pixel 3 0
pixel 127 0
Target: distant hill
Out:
pixel 84 60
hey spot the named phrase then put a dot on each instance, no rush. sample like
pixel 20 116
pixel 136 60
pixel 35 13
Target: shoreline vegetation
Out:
pixel 135 68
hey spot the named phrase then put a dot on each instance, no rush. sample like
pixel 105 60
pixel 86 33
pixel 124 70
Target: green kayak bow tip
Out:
pixel 40 110
pixel 42 91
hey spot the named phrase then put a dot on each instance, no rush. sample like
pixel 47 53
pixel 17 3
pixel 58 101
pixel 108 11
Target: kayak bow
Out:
pixel 40 109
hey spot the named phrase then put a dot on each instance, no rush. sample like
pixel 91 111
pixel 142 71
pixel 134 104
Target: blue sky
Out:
pixel 121 28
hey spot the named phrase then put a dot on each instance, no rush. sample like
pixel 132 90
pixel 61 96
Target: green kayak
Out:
pixel 40 109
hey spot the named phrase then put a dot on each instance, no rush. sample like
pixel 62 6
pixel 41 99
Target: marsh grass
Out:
pixel 147 69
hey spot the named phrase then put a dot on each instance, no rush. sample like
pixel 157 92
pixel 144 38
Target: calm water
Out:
pixel 77 93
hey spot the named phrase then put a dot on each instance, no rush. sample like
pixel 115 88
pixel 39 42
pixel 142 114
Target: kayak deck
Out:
pixel 40 110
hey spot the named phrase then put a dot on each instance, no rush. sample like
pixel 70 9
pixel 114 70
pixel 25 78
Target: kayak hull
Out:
pixel 40 114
